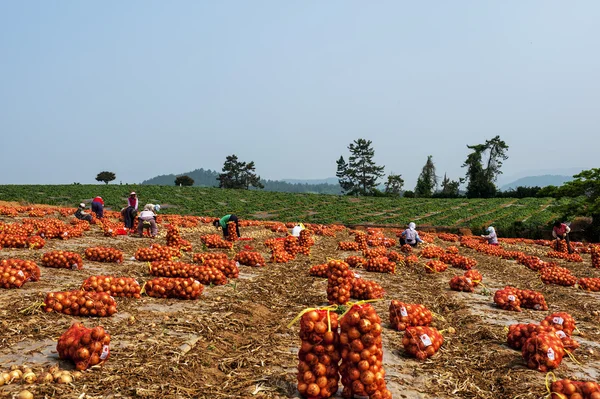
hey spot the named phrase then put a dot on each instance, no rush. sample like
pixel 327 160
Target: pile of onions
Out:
pixel 86 347
pixel 157 252
pixel 508 299
pixel 13 241
pixel 463 262
pixel 177 287
pixel 13 278
pixel 366 289
pixel 566 256
pixel 532 300
pixel 174 239
pixel 81 303
pixel 319 356
pixel 568 389
pixel 36 242
pixel 114 286
pixel 435 266
pixel 558 275
pixel 280 255
pixel 361 239
pixel 394 256
pixel 411 259
pixel 204 256
pixel 362 354
pixel 589 284
pixel 376 252
pixel 319 270
pixel 422 342
pixel 559 246
pixel 560 321
pixel 355 261
pixel 432 251
pixel 595 252
pixel 103 254
pixel 27 266
pixel 406 249
pixel 305 239
pixel 380 264
pixel 215 241
pixel 452 250
pixel 347 246
pixel 231 231
pixel 403 315
pixel 204 274
pixel 532 262
pixel 290 245
pixel 62 259
pixel 461 283
pixel 475 277
pixel 339 282
pixel 518 334
pixel 543 352
pixel 228 267
pixel 448 237
pixel 249 258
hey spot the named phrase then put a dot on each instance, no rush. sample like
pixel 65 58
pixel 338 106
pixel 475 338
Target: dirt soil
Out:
pixel 234 342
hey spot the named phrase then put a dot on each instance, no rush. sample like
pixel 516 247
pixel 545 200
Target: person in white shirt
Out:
pixel 297 229
pixel 148 218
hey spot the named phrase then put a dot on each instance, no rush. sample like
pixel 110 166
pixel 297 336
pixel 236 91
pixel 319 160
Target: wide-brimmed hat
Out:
pixel 132 193
pixel 82 205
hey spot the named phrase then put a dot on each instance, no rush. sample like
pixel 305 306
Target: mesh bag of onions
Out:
pixel 205 274
pixel 13 278
pixel 543 352
pixel 568 389
pixel 380 264
pixel 362 354
pixel 63 260
pixel 532 300
pixel 366 289
pixel 81 303
pixel 461 283
pixel 508 299
pixel 104 254
pixel 422 342
pixel 339 282
pixel 403 315
pixel 249 258
pixel 228 267
pixel 27 266
pixel 319 270
pixel 86 347
pixel 319 355
pixel 114 286
pixel 560 321
pixel 589 284
pixel 177 287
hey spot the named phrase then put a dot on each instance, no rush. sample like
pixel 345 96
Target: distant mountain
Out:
pixel 208 178
pixel 537 181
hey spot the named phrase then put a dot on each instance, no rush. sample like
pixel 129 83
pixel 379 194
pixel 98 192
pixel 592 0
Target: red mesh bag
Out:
pixel 339 282
pixel 204 256
pixel 81 303
pixel 406 249
pixel 355 261
pixel 461 283
pixel 114 286
pixel 248 258
pixel 63 260
pixel 518 334
pixel 366 289
pixel 568 389
pixel 595 253
pixel 394 256
pixel 13 278
pixel 347 246
pixel 204 274
pixel 432 251
pixel 532 300
pixel 452 250
pixel 36 242
pixel 319 270
pixel 157 252
pixel 403 315
pixel 176 287
pixel 103 254
pixel 475 276
pixel 558 275
pixel 589 284
pixel 435 266
pixel 215 241
pixel 560 321
pixel 13 241
pixel 280 255
pixel 380 264
pixel 231 232
pixel 319 355
pixel 422 342
pixel 508 299
pixel 228 267
pixel 86 347
pixel 29 267
pixel 305 239
pixel 362 369
pixel 543 352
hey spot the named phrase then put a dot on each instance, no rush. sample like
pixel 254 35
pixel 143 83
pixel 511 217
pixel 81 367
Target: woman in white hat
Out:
pixel 81 215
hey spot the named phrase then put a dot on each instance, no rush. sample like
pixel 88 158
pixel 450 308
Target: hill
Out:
pixel 208 178
pixel 537 181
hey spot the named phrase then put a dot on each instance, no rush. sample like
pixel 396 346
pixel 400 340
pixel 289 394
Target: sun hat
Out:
pixel 132 193
pixel 82 205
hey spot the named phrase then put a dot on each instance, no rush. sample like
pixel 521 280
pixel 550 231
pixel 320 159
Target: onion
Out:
pixel 25 394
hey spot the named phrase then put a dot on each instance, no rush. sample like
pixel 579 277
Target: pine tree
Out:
pixel 237 174
pixel 481 180
pixel 393 185
pixel 427 181
pixel 361 173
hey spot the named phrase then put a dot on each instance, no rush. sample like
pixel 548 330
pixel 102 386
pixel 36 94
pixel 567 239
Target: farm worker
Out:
pixel 98 207
pixel 561 231
pixel 130 211
pixel 297 229
pixel 410 236
pixel 223 224
pixel 492 237
pixel 81 215
pixel 147 218
pixel 133 200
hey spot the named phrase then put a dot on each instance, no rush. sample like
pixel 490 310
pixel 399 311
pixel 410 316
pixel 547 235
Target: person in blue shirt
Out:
pixel 222 223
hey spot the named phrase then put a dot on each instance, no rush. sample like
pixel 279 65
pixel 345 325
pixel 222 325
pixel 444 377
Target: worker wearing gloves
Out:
pixel 560 231
pixel 492 237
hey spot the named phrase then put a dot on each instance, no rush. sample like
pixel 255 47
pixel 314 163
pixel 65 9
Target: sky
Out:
pixel 144 88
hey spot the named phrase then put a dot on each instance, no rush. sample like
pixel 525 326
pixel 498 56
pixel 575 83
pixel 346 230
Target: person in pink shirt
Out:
pixel 98 207
pixel 133 200
pixel 561 231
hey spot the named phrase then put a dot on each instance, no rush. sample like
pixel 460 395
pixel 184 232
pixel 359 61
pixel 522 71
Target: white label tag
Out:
pixel 537 306
pixel 469 280
pixel 74 266
pixel 237 264
pixel 105 352
pixel 558 320
pixel 356 275
pixel 403 311
pixel 550 354
pixel 561 334
pixel 20 273
pixel 258 265
pixel 511 298
pixel 426 340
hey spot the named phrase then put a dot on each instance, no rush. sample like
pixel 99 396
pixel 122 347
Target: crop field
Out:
pixel 312 208
pixel 237 334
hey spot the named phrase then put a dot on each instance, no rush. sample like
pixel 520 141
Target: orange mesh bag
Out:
pixel 86 347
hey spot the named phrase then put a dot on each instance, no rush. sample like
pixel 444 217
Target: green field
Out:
pixel 316 208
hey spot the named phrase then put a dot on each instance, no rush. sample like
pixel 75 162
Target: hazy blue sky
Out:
pixel 144 88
